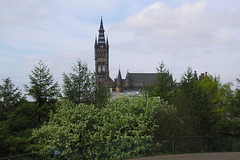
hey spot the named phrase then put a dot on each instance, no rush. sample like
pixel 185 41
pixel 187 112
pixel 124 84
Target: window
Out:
pixel 99 67
pixel 103 67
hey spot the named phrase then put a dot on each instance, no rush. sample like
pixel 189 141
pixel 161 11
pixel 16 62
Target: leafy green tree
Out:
pixel 79 84
pixel 185 99
pixel 102 96
pixel 69 129
pixel 43 90
pixel 130 118
pixel 236 102
pixel 11 102
pixel 74 128
pixel 225 106
pixel 208 103
pixel 16 131
pixel 210 86
pixel 226 99
pixel 165 84
pixel 9 95
pixel 200 103
pixel 42 87
pixel 188 82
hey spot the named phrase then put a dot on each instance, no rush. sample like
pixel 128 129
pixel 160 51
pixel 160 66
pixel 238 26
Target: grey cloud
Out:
pixel 188 35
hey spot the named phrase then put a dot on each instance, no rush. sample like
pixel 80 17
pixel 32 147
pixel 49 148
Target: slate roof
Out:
pixel 139 79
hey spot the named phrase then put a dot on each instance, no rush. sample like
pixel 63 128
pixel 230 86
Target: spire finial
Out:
pixel 101 24
pixel 101 37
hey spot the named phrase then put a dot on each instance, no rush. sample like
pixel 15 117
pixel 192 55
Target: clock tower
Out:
pixel 102 58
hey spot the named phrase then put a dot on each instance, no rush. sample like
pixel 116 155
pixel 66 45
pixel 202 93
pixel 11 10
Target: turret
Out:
pixel 119 82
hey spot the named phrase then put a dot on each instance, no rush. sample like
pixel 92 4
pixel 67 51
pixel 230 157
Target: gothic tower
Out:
pixel 102 58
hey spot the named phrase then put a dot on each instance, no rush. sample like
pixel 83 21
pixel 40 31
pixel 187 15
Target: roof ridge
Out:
pixel 142 73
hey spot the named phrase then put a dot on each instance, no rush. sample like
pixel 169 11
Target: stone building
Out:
pixel 133 82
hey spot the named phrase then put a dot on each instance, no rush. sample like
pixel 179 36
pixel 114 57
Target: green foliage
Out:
pixel 10 96
pixel 102 96
pixel 16 131
pixel 42 87
pixel 70 128
pixel 87 131
pixel 211 103
pixel 226 99
pixel 13 127
pixel 165 84
pixel 22 118
pixel 188 83
pixel 202 105
pixel 79 84
pixel 130 118
pixel 184 98
pixel 210 87
pixel 73 127
pixel 236 100
pixel 123 117
pixel 168 122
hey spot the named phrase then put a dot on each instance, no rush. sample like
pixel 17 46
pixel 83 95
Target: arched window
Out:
pixel 103 67
pixel 99 67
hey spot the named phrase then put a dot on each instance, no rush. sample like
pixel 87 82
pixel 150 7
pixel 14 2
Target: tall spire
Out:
pixel 101 25
pixel 101 36
pixel 119 78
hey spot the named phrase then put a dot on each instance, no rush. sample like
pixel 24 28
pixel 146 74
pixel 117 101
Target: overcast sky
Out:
pixel 201 34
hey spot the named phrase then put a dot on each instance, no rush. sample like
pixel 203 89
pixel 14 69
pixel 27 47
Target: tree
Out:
pixel 102 96
pixel 76 129
pixel 187 83
pixel 165 84
pixel 10 100
pixel 131 119
pixel 210 86
pixel 184 99
pixel 198 103
pixel 69 129
pixel 16 131
pixel 10 96
pixel 42 87
pixel 236 102
pixel 78 85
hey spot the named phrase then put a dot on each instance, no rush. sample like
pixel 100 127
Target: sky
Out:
pixel 201 34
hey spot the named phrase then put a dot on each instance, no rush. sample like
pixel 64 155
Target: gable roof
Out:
pixel 142 78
